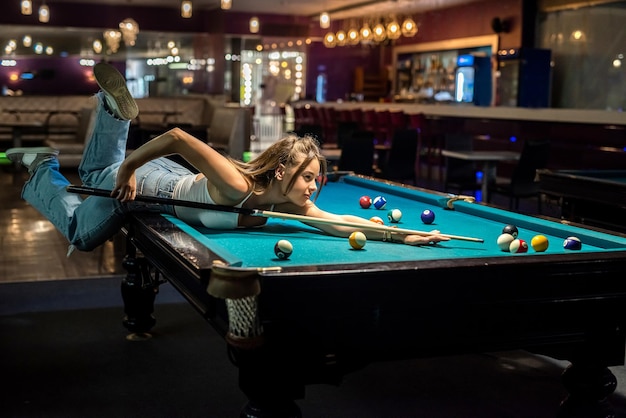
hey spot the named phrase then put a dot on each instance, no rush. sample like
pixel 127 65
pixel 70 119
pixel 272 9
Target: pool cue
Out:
pixel 264 213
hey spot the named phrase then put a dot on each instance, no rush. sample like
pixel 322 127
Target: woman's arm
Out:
pixel 228 184
pixel 344 231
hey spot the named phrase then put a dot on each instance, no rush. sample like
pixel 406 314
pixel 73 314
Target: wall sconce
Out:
pixel 226 4
pixel 324 21
pixel 186 9
pixel 44 13
pixel 27 7
pixel 254 24
pixel 129 29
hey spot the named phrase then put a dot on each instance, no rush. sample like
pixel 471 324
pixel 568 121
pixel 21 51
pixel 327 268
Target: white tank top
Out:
pixel 188 188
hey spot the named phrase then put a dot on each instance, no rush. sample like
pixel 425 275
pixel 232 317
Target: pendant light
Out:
pixel 27 7
pixel 44 13
pixel 186 9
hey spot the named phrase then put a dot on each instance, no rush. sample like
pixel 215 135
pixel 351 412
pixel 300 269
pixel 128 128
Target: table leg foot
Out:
pixel 265 410
pixel 588 387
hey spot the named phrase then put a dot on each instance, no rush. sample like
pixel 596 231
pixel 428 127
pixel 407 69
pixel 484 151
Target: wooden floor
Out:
pixel 31 249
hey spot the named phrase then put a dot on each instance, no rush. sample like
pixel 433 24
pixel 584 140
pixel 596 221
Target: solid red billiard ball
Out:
pixel 518 246
pixel 428 216
pixel 365 202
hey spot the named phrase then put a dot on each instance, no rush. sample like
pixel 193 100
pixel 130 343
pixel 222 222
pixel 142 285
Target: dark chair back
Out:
pixel 357 153
pixel 401 160
pixel 535 155
pixel 523 183
pixel 460 175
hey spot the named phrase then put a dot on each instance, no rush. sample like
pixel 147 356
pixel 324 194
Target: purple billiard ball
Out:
pixel 428 216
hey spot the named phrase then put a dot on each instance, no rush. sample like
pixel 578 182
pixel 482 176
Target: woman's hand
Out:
pixel 433 238
pixel 125 184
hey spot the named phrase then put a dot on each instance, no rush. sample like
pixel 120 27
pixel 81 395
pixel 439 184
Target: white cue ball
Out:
pixel 504 241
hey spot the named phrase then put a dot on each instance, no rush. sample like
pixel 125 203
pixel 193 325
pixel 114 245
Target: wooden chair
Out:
pixel 523 183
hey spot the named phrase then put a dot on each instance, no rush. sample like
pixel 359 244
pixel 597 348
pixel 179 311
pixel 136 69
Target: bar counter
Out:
pixel 605 117
pixel 580 139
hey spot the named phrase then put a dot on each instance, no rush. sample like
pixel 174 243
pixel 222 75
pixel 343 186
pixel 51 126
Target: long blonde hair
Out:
pixel 287 151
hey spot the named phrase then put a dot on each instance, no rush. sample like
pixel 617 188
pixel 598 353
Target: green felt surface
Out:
pixel 255 248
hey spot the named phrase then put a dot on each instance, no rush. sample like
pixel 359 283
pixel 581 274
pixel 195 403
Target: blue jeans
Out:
pixel 89 222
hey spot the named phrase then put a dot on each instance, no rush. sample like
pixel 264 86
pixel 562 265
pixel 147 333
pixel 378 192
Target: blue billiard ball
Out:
pixel 428 216
pixel 380 202
pixel 572 243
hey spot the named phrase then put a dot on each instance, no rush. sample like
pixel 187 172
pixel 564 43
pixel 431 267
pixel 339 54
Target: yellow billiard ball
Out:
pixel 539 243
pixel 357 240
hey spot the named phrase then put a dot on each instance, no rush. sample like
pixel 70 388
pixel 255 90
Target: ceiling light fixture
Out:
pixel 44 13
pixel 226 4
pixel 129 29
pixel 27 7
pixel 186 9
pixel 409 27
pixel 112 38
pixel 393 29
pixel 254 24
pixel 324 21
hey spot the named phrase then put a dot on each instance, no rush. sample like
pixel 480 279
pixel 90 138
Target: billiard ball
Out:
pixel 572 243
pixel 283 249
pixel 539 243
pixel 510 229
pixel 365 202
pixel 504 241
pixel 518 246
pixel 380 202
pixel 428 216
pixel 357 240
pixel 394 215
pixel 377 219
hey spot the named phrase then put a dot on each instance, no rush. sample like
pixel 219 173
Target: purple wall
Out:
pixel 52 76
pixel 339 64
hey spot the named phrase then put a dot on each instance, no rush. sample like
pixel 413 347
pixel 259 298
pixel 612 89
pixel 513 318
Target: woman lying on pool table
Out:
pixel 282 179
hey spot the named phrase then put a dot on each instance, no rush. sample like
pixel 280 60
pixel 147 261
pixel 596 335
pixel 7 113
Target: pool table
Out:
pixel 329 309
pixel 592 197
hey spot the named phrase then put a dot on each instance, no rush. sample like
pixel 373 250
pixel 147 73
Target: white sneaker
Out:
pixel 117 96
pixel 31 157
